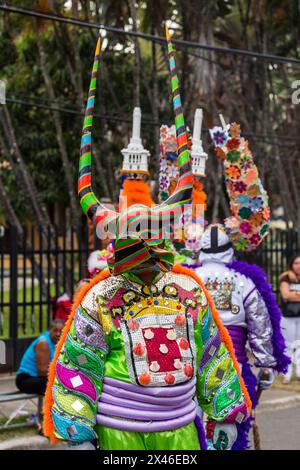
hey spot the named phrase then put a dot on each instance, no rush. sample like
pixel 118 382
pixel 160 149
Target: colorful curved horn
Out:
pixel 89 202
pixel 184 188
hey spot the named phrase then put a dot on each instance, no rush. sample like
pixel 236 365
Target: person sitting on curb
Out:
pixel 33 370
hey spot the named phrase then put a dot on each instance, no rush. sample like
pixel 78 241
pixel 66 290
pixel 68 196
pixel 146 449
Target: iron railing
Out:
pixel 43 263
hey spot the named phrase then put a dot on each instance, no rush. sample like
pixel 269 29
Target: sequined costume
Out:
pixel 240 291
pixel 247 308
pixel 247 305
pixel 134 355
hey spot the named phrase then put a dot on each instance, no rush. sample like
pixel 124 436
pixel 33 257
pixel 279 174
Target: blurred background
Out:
pixel 239 57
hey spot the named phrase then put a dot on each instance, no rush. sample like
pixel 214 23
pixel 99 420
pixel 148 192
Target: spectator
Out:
pixel 290 293
pixel 33 370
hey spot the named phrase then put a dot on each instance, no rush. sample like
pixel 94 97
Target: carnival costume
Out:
pixel 249 311
pixel 133 356
pixel 241 292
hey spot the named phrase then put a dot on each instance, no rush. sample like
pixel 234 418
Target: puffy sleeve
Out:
pixel 77 379
pixel 249 204
pixel 260 331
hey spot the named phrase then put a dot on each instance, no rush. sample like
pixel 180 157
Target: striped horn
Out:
pixel 184 188
pixel 90 205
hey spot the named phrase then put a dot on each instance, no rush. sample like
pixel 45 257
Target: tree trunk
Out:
pixel 59 132
pixel 14 220
pixel 38 207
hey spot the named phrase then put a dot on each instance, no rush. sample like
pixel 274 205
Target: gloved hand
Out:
pixel 224 436
pixel 210 445
pixel 87 445
pixel 265 378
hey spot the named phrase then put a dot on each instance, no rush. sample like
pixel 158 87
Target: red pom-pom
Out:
pixel 144 378
pixel 139 350
pixel 169 379
pixel 180 320
pixel 188 370
pixel 133 325
pixel 184 344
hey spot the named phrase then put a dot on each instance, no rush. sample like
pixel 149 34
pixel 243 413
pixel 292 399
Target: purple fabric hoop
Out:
pixel 149 426
pixel 171 391
pixel 145 415
pixel 109 399
pixel 139 397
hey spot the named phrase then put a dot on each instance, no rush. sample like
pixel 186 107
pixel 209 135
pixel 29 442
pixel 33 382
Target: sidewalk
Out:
pixel 274 399
pixel 30 440
pixel 7 384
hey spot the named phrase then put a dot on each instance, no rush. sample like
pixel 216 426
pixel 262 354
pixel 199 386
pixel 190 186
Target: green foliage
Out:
pixel 248 91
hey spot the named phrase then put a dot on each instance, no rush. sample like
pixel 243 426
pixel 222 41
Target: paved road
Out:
pixel 280 429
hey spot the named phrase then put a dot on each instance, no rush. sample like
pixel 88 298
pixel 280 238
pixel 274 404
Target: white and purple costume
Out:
pixel 247 308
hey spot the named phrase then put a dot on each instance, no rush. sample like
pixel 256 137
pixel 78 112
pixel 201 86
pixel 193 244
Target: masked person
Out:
pixel 144 338
pixel 241 292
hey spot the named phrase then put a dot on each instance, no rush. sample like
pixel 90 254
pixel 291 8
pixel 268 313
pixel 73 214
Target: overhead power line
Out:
pixel 108 117
pixel 150 37
pixel 267 138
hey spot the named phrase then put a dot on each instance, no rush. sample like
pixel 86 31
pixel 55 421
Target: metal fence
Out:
pixel 41 264
pixel 274 254
pixel 36 267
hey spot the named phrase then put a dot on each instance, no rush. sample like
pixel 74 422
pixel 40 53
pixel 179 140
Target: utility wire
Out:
pixel 150 37
pixel 267 138
pixel 157 39
pixel 109 117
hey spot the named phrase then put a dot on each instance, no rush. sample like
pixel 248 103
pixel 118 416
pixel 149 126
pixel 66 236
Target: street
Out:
pixel 279 429
pixel 278 417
